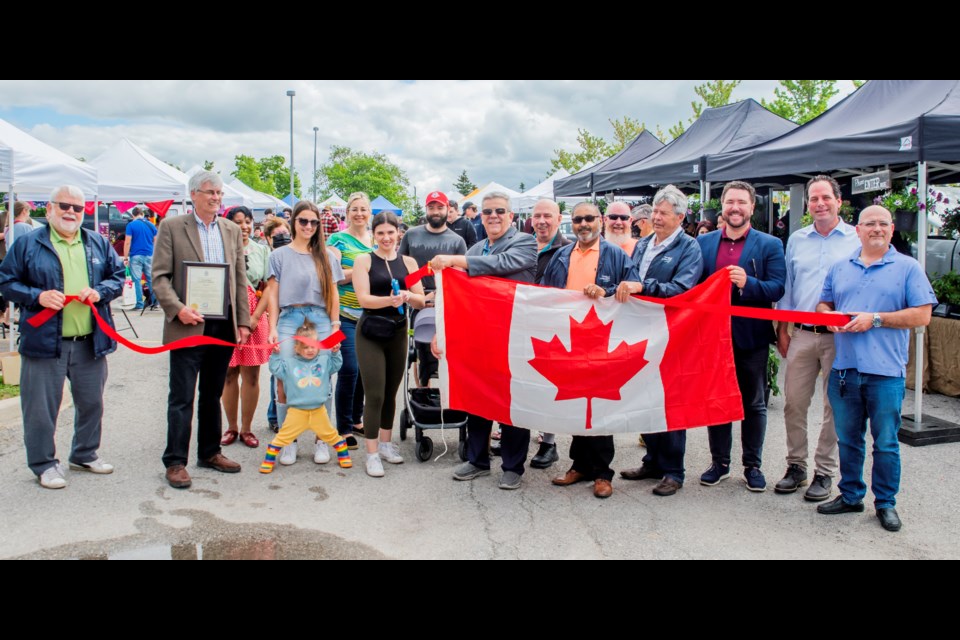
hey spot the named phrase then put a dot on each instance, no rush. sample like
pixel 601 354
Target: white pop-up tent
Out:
pixel 260 200
pixel 130 173
pixel 476 196
pixel 543 190
pixel 337 204
pixel 32 169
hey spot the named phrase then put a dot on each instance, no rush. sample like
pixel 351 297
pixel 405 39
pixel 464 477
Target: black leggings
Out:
pixel 382 365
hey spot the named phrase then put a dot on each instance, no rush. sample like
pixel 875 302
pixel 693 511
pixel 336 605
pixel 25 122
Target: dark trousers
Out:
pixel 349 392
pixel 592 456
pixel 751 367
pixel 382 365
pixel 665 453
pixel 209 364
pixel 514 444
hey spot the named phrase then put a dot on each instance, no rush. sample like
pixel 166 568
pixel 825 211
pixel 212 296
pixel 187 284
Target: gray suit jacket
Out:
pixel 178 241
pixel 513 256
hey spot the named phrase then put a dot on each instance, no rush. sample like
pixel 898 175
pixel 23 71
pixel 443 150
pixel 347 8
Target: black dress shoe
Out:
pixel 889 519
pixel 819 489
pixel 666 487
pixel 795 478
pixel 546 456
pixel 837 505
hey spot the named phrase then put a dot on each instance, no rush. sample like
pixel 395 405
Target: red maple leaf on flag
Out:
pixel 589 370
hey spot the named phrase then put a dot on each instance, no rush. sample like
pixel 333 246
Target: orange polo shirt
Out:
pixel 630 245
pixel 583 267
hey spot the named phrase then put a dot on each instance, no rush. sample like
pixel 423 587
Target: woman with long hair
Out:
pixel 302 286
pixel 354 241
pixel 243 375
pixel 382 335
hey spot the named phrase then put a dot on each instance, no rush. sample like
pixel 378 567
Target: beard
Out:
pixel 437 222
pixel 618 238
pixel 67 227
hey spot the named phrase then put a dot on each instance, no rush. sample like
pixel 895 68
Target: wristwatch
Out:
pixel 877 322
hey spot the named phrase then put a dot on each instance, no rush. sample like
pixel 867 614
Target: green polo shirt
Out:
pixel 77 319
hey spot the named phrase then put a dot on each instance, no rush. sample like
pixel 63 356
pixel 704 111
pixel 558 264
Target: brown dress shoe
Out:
pixel 602 488
pixel 570 477
pixel 221 463
pixel 666 487
pixel 640 473
pixel 178 477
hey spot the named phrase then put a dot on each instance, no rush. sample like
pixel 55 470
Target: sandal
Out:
pixel 229 437
pixel 249 439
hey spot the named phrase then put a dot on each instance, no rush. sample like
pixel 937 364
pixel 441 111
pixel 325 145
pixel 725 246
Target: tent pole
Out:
pixel 96 217
pixel 11 201
pixel 922 259
pixel 704 196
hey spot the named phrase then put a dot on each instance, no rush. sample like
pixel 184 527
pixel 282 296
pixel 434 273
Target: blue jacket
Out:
pixel 33 266
pixel 672 272
pixel 613 267
pixel 306 382
pixel 766 268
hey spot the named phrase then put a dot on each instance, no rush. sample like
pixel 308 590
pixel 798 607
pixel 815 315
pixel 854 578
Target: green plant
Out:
pixel 773 368
pixel 947 288
pixel 713 203
pixel 951 222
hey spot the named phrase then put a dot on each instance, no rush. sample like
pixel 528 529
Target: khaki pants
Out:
pixel 809 355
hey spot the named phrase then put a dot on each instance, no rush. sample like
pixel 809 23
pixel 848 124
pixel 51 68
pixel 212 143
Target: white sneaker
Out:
pixel 53 478
pixel 390 452
pixel 94 466
pixel 374 466
pixel 321 454
pixel 288 455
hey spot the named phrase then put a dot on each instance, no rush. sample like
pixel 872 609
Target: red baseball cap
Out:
pixel 437 196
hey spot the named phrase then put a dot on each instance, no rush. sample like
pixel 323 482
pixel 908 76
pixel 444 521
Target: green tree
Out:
pixel 208 165
pixel 247 170
pixel 523 187
pixel 858 83
pixel 347 171
pixel 675 131
pixel 715 93
pixel 268 175
pixel 463 184
pixel 592 149
pixel 414 216
pixel 801 100
pixel 624 131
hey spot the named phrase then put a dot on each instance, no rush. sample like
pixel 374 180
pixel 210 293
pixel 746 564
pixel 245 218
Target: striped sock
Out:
pixel 343 455
pixel 270 461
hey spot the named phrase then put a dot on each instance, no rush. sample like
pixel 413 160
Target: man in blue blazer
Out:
pixel 758 271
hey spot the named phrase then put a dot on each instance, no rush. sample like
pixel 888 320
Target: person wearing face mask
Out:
pixel 277 234
pixel 39 271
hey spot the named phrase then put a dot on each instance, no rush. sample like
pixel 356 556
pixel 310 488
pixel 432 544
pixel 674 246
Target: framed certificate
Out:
pixel 205 288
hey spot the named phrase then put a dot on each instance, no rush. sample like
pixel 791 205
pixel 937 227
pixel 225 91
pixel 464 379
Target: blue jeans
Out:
pixel 272 407
pixel 878 398
pixel 291 318
pixel 142 266
pixel 349 387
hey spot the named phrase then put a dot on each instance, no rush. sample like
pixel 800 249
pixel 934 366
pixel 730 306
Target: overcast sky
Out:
pixel 497 130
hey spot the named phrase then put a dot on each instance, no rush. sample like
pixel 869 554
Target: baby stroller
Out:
pixel 422 406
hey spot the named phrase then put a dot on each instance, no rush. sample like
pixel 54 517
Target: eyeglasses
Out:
pixel 303 222
pixel 489 212
pixel 579 219
pixel 210 192
pixel 617 216
pixel 65 206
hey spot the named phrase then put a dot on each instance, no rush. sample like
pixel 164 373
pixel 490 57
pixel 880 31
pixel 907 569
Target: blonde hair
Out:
pixel 306 330
pixel 357 195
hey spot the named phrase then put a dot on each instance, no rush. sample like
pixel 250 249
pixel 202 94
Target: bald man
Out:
pixel 616 227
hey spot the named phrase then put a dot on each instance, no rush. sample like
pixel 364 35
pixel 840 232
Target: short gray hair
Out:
pixel 641 211
pixel 580 205
pixel 497 194
pixel 75 192
pixel 673 196
pixel 197 180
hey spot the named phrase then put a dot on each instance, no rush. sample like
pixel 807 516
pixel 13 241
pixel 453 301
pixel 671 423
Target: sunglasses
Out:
pixel 77 208
pixel 579 219
pixel 489 212
pixel 617 216
pixel 303 222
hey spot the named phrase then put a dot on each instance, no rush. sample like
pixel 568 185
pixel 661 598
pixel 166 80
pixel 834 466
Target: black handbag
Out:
pixel 380 328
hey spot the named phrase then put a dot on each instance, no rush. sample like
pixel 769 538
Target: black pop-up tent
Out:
pixel 891 124
pixel 683 162
pixel 581 183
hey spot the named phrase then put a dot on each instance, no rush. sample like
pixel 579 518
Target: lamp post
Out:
pixel 291 93
pixel 315 129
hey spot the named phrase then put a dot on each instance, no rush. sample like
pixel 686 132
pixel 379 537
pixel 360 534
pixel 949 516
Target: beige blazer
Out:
pixel 178 241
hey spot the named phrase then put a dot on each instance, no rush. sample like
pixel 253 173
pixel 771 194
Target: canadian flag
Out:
pixel 555 360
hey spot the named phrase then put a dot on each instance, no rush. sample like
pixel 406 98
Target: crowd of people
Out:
pixel 315 275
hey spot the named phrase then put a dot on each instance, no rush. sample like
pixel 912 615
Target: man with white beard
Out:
pixel 616 227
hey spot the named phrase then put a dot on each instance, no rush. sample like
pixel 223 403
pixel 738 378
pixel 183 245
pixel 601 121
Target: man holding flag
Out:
pixel 595 267
pixel 506 253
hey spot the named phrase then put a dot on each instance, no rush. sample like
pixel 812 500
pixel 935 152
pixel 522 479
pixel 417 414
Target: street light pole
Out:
pixel 315 129
pixel 291 94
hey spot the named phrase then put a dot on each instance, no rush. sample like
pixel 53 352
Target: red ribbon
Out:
pixel 417 276
pixel 184 343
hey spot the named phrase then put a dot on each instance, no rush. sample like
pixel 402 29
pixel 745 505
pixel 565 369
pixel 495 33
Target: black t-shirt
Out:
pixel 464 228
